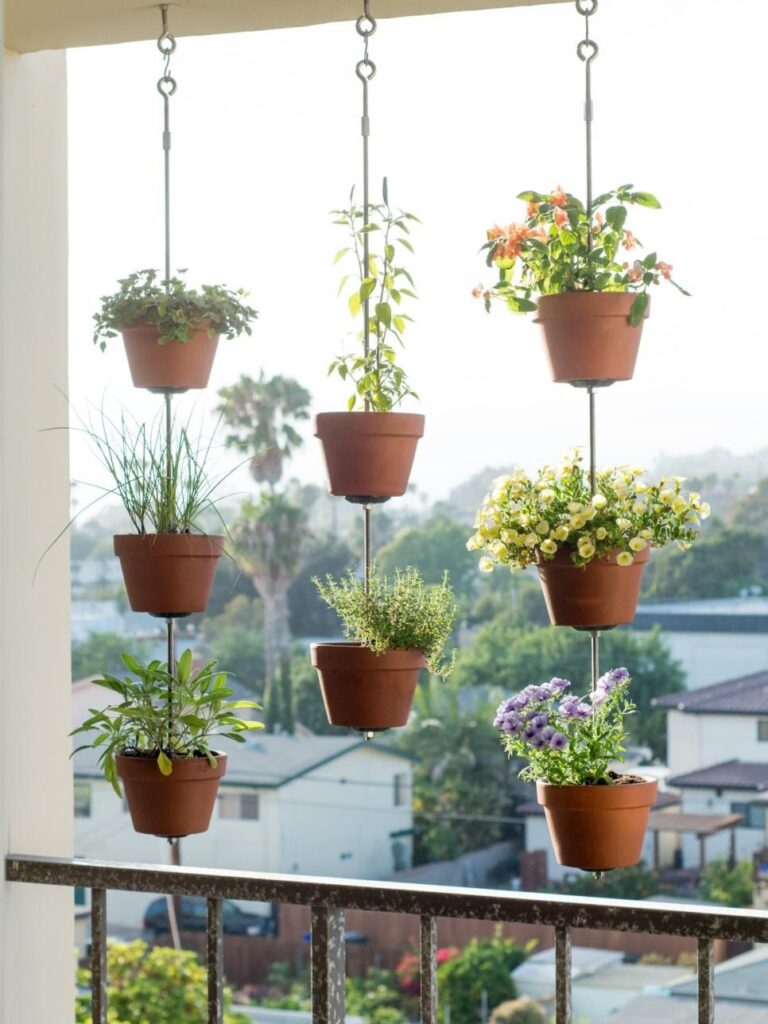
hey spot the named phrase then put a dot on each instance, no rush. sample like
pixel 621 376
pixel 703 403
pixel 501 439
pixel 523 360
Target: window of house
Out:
pixel 753 815
pixel 244 806
pixel 401 789
pixel 82 799
pixel 762 730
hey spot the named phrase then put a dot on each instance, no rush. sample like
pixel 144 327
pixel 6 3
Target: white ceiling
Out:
pixel 55 24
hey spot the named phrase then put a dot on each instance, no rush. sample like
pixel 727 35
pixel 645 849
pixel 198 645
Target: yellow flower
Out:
pixel 601 533
pixel 548 547
pixel 498 549
pixel 623 524
pixel 599 501
pixel 485 565
pixel 586 547
pixel 637 471
pixel 524 520
pixel 576 522
pixel 547 495
pixel 641 487
pixel 704 509
pixel 475 542
pixel 625 558
pixel 637 544
pixel 679 505
pixel 488 532
pixel 510 536
pixel 542 527
pixel 561 533
pixel 646 533
pixel 667 497
pixel 638 508
pixel 531 540
pixel 575 506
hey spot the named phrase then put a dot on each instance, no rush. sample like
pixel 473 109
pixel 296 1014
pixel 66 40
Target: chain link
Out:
pixel 587 50
pixel 166 86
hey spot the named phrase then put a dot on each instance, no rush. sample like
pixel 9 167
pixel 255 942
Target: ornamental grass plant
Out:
pixel 528 518
pixel 563 247
pixel 567 740
pixel 401 613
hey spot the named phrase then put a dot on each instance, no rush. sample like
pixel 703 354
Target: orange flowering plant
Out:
pixel 563 247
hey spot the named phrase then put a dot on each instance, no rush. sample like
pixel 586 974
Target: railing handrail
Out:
pixel 435 901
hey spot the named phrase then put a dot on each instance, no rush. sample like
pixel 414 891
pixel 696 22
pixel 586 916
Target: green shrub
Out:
pixel 729 886
pixel 519 1011
pixel 485 965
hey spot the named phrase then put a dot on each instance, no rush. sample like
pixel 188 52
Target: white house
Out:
pixel 717 739
pixel 715 639
pixel 319 805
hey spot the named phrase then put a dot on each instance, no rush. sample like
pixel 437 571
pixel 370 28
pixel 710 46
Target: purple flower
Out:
pixel 608 682
pixel 530 733
pixel 511 724
pixel 558 741
pixel 583 710
pixel 536 742
pixel 520 701
pixel 558 685
pixel 539 721
pixel 547 733
pixel 569 706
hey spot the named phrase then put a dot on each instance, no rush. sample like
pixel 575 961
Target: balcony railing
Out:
pixel 329 898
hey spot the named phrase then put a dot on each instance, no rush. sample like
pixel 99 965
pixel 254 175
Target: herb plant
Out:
pixel 567 740
pixel 550 251
pixel 403 613
pixel 526 518
pixel 164 715
pixel 376 376
pixel 164 488
pixel 173 307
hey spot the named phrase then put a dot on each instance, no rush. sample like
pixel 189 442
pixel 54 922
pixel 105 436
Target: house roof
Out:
pixel 675 1010
pixel 715 615
pixel 750 775
pixel 702 824
pixel 747 695
pixel 743 977
pixel 269 761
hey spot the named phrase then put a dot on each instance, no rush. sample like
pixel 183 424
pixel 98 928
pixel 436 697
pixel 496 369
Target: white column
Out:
pixel 36 930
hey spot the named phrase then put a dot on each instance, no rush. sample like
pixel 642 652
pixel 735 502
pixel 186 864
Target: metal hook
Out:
pixel 166 86
pixel 587 50
pixel 586 7
pixel 365 70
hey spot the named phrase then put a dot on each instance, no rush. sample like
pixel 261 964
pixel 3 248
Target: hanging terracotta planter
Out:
pixel 588 336
pixel 179 804
pixel 367 691
pixel 599 595
pixel 168 574
pixel 369 455
pixel 174 365
pixel 598 828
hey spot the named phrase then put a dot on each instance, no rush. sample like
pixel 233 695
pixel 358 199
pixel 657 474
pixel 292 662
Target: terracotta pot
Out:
pixel 168 574
pixel 599 595
pixel 369 455
pixel 179 804
pixel 597 828
pixel 367 691
pixel 588 336
pixel 172 366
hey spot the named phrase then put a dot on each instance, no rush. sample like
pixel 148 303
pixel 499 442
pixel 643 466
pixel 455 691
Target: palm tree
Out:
pixel 262 416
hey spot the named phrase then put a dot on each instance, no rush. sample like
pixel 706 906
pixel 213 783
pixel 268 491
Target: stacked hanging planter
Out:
pixel 368 681
pixel 157 739
pixel 587 532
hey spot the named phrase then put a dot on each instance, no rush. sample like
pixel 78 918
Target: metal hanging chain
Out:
pixel 166 86
pixel 587 50
pixel 365 70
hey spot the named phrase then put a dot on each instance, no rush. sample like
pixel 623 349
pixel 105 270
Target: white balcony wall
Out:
pixel 37 968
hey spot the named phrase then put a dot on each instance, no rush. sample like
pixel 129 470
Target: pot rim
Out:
pixel 645 781
pixel 150 540
pixel 144 764
pixel 622 300
pixel 347 651
pixel 407 424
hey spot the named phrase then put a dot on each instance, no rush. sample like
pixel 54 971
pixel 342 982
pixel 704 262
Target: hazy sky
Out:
pixel 467 110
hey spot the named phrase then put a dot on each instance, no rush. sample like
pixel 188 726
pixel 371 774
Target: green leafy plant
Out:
pixel 731 886
pixel 164 488
pixel 519 1011
pixel 567 740
pixel 164 715
pixel 564 247
pixel 152 986
pixel 173 307
pixel 403 613
pixel 525 518
pixel 484 965
pixel 379 383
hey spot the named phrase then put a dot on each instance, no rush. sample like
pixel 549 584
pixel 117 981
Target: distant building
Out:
pixel 316 805
pixel 714 639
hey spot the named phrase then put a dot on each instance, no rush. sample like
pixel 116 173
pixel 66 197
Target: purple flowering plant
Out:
pixel 567 740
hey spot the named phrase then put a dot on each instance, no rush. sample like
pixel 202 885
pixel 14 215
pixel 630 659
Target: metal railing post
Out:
pixel 328 965
pixel 563 1010
pixel 705 967
pixel 215 962
pixel 428 957
pixel 99 956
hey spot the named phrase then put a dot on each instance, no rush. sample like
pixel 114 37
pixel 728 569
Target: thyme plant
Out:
pixel 402 613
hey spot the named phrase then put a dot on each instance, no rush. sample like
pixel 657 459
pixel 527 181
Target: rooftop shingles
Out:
pixel 747 695
pixel 751 775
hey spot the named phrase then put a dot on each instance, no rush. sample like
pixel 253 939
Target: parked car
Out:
pixel 194 918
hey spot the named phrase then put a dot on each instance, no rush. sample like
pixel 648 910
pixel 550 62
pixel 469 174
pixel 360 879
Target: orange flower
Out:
pixel 494 232
pixel 532 210
pixel 629 240
pixel 664 268
pixel 561 218
pixel 636 272
pixel 558 197
pixel 599 218
pixel 477 291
